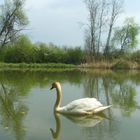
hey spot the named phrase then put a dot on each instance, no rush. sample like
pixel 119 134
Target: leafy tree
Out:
pixel 126 36
pixel 12 20
pixel 21 51
pixel 40 52
pixel 24 51
pixel 55 54
pixel 75 55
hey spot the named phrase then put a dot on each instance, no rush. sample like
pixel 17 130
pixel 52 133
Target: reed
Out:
pixel 115 65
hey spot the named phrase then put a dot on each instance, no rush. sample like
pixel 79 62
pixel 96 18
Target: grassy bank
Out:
pixel 115 65
pixel 12 66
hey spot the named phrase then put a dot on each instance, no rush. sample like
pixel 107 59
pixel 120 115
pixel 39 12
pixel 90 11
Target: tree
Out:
pixel 97 12
pixel 101 23
pixel 21 51
pixel 74 55
pixel 102 17
pixel 116 9
pixel 92 6
pixel 126 36
pixel 12 20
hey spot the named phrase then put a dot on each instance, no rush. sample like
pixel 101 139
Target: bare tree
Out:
pixel 102 17
pixel 97 12
pixel 101 22
pixel 12 20
pixel 92 6
pixel 116 9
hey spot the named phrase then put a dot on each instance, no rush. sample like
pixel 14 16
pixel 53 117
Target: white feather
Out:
pixel 83 105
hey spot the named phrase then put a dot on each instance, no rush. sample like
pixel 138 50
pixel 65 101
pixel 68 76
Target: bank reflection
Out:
pixel 115 89
pixel 12 111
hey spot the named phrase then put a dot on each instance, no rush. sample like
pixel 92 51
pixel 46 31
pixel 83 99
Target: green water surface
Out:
pixel 26 105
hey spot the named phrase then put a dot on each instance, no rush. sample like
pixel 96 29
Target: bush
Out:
pixel 23 51
pixel 123 64
pixel 74 55
pixel 136 56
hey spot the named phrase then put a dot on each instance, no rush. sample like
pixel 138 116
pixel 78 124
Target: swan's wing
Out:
pixel 81 105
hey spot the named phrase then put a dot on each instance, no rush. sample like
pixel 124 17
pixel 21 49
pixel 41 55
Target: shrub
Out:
pixel 23 51
pixel 123 64
pixel 136 56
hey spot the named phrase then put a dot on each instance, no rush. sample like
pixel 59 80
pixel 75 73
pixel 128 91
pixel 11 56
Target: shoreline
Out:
pixel 102 65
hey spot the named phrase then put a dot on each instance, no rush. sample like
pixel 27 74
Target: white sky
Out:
pixel 60 21
pixel 57 21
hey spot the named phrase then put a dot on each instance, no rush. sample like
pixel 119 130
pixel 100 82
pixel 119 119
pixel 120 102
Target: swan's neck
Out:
pixel 58 99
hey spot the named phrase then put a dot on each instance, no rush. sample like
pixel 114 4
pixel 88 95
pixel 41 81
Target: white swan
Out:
pixel 84 106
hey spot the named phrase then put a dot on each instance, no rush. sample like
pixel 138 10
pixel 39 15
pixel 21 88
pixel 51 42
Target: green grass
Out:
pixel 115 65
pixel 36 66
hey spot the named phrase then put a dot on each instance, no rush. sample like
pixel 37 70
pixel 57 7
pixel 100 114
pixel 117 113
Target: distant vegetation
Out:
pixel 24 51
pixel 106 46
pixel 50 55
pixel 103 39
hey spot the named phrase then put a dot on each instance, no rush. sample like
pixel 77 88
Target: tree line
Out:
pixel 24 51
pixel 103 39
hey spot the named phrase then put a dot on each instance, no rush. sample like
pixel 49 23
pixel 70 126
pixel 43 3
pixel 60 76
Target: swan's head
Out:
pixel 55 85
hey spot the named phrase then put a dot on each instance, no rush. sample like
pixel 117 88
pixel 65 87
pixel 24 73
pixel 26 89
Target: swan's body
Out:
pixel 82 106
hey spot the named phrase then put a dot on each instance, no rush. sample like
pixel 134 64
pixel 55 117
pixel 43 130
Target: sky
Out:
pixel 62 22
pixel 57 21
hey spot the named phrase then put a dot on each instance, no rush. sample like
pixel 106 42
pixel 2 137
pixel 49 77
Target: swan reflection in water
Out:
pixel 82 121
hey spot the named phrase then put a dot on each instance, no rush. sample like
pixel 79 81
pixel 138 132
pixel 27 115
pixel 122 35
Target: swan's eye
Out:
pixel 51 88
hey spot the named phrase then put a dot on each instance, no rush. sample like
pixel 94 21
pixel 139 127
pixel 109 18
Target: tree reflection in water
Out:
pixel 111 88
pixel 124 97
pixel 12 111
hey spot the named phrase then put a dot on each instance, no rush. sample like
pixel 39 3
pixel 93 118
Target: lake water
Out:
pixel 26 105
